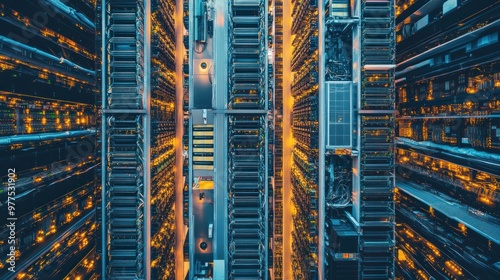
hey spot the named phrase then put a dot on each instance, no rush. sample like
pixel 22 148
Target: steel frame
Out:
pixel 125 139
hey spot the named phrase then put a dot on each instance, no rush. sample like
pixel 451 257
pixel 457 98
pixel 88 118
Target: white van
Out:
pixel 210 230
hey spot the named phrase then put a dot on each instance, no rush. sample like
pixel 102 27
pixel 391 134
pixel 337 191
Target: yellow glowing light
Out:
pixel 485 200
pixel 471 90
pixel 453 266
pixel 40 236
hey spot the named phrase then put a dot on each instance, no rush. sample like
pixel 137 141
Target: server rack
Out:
pixel 277 24
pixel 47 132
pixel 448 114
pixel 377 99
pixel 163 126
pixel 138 130
pixel 343 124
pixel 125 145
pixel 305 127
pixel 248 103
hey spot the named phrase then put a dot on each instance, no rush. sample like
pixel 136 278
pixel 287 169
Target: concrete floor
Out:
pixel 203 211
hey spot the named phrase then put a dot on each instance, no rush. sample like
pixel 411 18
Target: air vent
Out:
pixel 339 128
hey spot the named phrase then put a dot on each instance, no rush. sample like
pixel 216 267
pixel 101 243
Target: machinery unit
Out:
pixel 343 157
pixel 227 85
pixel 342 250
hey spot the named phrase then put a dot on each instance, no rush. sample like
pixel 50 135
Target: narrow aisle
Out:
pixel 287 140
pixel 179 182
